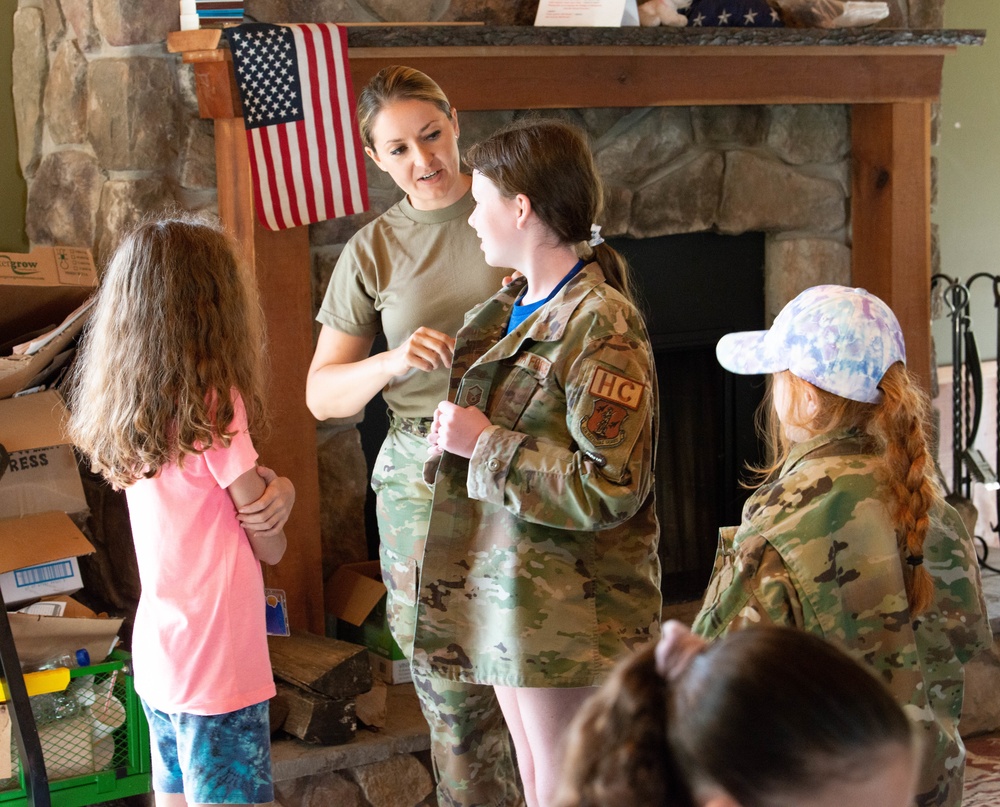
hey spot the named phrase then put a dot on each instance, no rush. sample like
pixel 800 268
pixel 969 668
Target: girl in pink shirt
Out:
pixel 168 387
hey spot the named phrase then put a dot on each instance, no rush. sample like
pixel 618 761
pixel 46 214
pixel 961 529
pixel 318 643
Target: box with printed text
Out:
pixel 41 287
pixel 39 542
pixel 46 296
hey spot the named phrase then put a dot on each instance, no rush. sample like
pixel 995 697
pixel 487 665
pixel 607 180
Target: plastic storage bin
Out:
pixel 102 753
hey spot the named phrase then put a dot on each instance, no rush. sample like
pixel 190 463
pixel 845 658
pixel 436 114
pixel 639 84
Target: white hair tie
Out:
pixel 595 235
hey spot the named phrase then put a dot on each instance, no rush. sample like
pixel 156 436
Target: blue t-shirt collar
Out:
pixel 520 312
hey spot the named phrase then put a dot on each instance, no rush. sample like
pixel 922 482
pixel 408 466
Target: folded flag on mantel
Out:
pixel 298 108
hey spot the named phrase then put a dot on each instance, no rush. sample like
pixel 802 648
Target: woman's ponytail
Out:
pixel 615 268
pixel 617 751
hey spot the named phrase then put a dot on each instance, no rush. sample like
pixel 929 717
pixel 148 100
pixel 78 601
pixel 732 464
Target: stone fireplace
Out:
pixel 109 127
pixel 778 172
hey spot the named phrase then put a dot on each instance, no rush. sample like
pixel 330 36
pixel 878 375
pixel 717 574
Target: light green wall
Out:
pixel 13 192
pixel 968 164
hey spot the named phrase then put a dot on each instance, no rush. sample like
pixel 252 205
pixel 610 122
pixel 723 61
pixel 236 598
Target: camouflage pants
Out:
pixel 470 744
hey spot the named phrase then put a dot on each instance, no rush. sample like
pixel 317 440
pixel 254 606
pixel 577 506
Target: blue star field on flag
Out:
pixel 731 14
pixel 297 96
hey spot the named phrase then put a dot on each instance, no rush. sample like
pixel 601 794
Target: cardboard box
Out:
pixel 42 474
pixel 356 595
pixel 39 638
pixel 38 556
pixel 47 360
pixel 40 288
pixel 39 543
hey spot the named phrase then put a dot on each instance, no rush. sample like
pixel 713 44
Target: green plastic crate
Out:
pixel 89 762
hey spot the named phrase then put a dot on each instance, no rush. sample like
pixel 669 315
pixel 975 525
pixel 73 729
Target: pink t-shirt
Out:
pixel 200 641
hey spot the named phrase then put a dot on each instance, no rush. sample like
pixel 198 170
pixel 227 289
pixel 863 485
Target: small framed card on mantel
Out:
pixel 587 13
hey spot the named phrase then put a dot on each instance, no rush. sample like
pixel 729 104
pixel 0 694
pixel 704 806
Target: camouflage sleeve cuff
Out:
pixel 490 463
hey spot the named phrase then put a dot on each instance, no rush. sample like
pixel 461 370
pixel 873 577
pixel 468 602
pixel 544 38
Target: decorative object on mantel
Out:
pixel 189 15
pixel 577 13
pixel 663 12
pixel 732 14
pixel 305 151
pixel 210 13
pixel 829 13
pixel 218 13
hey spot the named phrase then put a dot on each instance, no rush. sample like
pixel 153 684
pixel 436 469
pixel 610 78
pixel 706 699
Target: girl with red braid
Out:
pixel 848 536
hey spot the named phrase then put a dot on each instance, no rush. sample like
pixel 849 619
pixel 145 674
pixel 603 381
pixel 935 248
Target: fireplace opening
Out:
pixel 692 289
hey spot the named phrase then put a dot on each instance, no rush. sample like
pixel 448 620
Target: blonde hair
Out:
pixel 895 425
pixel 551 163
pixel 177 331
pixel 395 83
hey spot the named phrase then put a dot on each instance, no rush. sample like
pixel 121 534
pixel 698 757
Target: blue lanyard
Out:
pixel 519 313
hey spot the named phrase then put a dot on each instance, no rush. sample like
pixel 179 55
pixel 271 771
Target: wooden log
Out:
pixel 277 712
pixel 330 667
pixel 316 718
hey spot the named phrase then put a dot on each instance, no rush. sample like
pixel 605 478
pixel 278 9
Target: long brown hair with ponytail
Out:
pixel 653 740
pixel 550 162
pixel 896 425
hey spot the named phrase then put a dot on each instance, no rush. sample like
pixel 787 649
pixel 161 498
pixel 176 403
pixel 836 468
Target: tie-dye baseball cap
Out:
pixel 840 339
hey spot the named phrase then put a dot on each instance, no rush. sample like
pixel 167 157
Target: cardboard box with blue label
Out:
pixel 39 542
pixel 356 595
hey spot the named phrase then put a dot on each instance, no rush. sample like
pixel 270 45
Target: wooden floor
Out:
pixel 982 771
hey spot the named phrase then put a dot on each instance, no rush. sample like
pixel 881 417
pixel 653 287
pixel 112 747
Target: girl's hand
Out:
pixel 267 515
pixel 512 277
pixel 456 429
pixel 425 350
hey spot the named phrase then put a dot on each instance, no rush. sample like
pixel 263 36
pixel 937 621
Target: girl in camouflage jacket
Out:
pixel 848 537
pixel 540 567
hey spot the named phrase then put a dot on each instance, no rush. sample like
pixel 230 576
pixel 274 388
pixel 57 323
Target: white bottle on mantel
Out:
pixel 189 15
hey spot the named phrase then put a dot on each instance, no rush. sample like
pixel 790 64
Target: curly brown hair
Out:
pixel 177 331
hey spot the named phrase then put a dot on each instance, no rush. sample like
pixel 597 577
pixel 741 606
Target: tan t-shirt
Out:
pixel 405 269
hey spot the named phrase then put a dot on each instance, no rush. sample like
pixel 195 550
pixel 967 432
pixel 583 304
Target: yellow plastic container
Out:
pixel 38 683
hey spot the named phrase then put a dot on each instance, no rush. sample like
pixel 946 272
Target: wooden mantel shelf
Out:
pixel 545 68
pixel 888 78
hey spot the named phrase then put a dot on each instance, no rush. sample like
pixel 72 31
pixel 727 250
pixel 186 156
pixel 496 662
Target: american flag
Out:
pixel 298 109
pixel 731 14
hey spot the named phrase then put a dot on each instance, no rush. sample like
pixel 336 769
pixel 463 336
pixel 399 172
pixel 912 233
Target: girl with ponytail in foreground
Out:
pixel 764 717
pixel 848 536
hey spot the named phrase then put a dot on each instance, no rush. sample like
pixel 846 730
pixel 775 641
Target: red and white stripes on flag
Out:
pixel 298 108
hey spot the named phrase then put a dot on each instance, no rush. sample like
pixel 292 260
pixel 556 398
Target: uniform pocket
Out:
pixel 400 573
pixel 523 377
pixel 724 569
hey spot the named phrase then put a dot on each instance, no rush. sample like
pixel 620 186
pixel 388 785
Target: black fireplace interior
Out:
pixel 692 288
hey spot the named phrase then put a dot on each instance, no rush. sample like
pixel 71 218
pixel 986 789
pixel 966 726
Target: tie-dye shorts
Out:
pixel 212 759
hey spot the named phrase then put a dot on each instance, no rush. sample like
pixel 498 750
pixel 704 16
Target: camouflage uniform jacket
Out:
pixel 540 566
pixel 817 550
